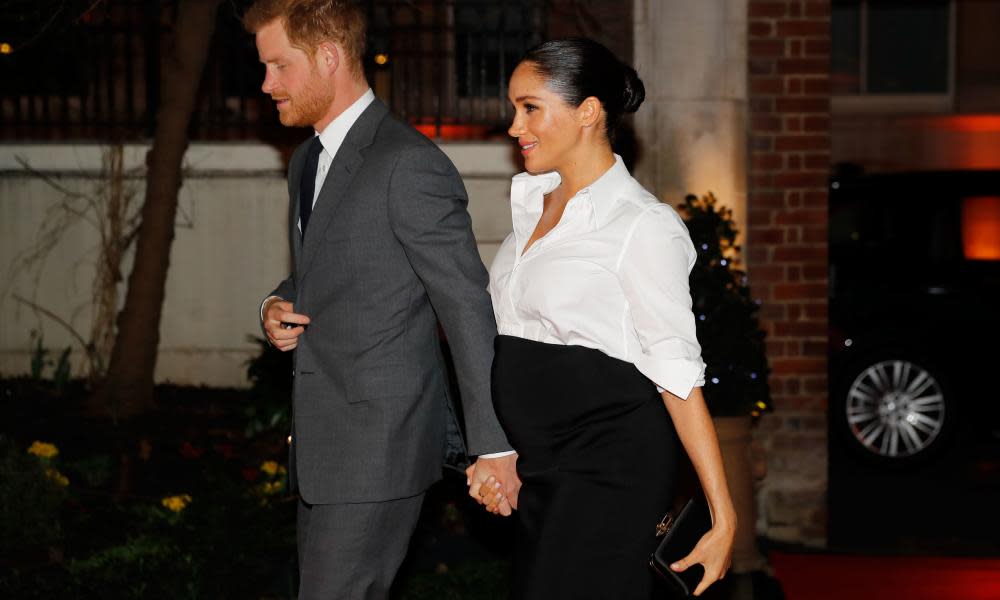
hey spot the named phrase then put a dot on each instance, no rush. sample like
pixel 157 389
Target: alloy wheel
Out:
pixel 895 408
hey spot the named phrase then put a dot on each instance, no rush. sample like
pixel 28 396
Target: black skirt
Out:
pixel 596 456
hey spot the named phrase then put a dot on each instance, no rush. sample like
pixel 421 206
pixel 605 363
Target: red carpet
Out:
pixel 835 577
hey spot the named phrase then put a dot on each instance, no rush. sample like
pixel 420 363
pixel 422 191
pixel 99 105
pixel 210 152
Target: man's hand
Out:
pixel 283 326
pixel 493 482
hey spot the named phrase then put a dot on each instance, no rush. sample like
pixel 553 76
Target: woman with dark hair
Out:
pixel 597 370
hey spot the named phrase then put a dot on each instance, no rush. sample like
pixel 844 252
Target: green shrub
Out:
pixel 29 506
pixel 483 580
pixel 270 375
pixel 94 471
pixel 732 340
pixel 143 566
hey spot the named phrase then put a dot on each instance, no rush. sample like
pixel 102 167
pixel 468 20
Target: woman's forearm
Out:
pixel 697 434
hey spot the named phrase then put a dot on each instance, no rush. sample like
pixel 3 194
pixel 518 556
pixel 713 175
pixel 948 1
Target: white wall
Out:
pixel 692 127
pixel 230 248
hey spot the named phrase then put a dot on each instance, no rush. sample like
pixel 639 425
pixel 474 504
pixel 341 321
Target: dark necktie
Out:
pixel 307 188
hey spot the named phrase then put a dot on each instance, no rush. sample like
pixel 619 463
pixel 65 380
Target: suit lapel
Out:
pixel 344 167
pixel 294 179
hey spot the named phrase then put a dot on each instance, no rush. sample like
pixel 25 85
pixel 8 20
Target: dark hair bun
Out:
pixel 634 92
pixel 578 68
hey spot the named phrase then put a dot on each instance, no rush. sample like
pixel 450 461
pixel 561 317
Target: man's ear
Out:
pixel 588 113
pixel 328 57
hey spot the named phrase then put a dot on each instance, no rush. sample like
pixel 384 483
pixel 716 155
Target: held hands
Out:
pixel 283 326
pixel 714 552
pixel 493 482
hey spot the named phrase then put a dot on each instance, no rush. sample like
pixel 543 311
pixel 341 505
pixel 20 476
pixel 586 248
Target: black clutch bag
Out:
pixel 680 535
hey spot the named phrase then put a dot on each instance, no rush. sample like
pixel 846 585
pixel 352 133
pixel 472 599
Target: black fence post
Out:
pixel 151 20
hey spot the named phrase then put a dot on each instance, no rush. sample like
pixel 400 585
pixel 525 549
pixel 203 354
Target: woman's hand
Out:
pixel 498 496
pixel 493 493
pixel 697 434
pixel 714 552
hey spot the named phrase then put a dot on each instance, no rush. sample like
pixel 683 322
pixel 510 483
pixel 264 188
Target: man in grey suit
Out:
pixel 382 249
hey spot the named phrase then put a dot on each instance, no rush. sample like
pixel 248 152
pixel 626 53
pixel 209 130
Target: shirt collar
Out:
pixel 333 136
pixel 527 192
pixel 605 190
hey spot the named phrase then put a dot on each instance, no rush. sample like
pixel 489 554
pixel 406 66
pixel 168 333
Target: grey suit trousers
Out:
pixel 352 551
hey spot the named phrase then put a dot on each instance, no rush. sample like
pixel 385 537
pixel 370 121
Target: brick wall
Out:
pixel 788 47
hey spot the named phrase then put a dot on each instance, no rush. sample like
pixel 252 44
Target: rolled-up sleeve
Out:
pixel 654 267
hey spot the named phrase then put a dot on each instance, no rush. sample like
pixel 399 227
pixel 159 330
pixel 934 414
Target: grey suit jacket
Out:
pixel 388 252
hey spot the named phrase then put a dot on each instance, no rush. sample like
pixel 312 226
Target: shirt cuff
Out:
pixel 498 454
pixel 263 304
pixel 677 375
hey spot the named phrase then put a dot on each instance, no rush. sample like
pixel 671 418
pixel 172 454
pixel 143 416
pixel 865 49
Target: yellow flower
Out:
pixel 176 503
pixel 57 477
pixel 270 467
pixel 43 449
pixel 270 488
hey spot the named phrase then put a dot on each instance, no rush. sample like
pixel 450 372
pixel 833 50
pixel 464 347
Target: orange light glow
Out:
pixel 981 227
pixel 454 132
pixel 971 123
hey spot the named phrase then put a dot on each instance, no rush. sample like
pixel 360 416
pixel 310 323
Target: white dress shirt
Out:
pixel 611 275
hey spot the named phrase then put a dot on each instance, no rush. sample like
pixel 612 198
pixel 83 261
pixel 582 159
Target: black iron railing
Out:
pixel 78 71
pixel 94 73
pixel 447 63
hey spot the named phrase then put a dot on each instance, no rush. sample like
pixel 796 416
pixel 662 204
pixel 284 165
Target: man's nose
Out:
pixel 268 83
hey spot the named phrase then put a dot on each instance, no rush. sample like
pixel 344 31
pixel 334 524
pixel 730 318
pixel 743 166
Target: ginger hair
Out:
pixel 308 23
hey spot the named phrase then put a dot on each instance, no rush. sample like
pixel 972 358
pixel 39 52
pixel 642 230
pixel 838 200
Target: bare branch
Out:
pixel 47 178
pixel 48 313
pixel 107 208
pixel 49 23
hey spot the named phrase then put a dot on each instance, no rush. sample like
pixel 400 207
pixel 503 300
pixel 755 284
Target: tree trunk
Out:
pixel 128 388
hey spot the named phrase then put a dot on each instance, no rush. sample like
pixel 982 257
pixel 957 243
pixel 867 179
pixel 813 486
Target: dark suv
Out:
pixel 914 313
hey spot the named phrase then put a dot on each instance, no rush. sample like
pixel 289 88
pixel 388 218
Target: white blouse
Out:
pixel 611 275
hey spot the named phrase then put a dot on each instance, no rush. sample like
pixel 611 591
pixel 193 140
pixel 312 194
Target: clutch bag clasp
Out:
pixel 664 525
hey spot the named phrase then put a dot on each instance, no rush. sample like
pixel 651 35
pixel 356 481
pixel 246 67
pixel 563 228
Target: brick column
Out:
pixel 788 59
